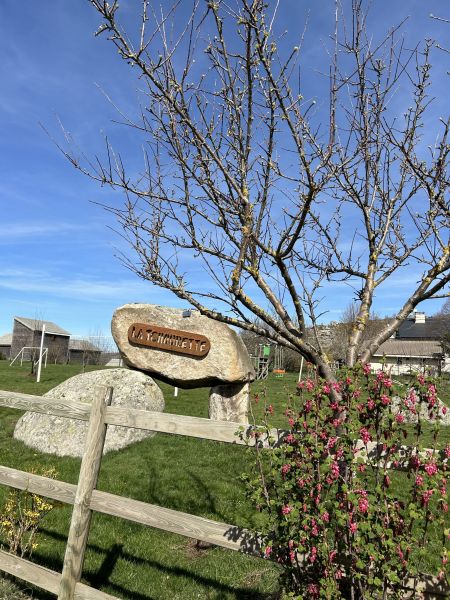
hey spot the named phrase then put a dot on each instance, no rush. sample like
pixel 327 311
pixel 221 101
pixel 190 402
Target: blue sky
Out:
pixel 58 247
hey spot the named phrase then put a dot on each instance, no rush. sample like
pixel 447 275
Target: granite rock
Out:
pixel 229 403
pixel 226 362
pixel 398 405
pixel 66 437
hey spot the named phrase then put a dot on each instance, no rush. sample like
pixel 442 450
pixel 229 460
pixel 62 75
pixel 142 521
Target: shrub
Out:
pixel 21 516
pixel 335 515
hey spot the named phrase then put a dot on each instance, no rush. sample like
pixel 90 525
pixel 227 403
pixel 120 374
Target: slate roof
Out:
pixel 432 329
pixel 409 348
pixel 36 325
pixel 6 340
pixel 83 345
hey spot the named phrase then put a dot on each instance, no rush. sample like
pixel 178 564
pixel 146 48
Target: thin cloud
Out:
pixel 11 231
pixel 87 289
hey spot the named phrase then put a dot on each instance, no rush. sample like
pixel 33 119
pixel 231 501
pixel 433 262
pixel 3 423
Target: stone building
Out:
pixel 27 334
pixel 84 352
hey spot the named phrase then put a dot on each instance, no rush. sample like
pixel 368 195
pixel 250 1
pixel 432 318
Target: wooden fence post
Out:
pixel 81 515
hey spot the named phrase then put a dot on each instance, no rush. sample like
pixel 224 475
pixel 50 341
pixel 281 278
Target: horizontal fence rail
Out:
pixel 220 534
pixel 219 431
pixel 45 578
pixel 199 528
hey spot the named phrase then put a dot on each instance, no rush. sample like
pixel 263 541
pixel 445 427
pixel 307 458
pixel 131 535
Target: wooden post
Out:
pixel 81 515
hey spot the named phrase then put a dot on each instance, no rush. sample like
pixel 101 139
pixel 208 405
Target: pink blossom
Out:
pixel 313 590
pixel 365 435
pixel 348 380
pixel 419 480
pixel 334 470
pixel 385 400
pixel 290 438
pixel 387 480
pixel 370 404
pixel 270 409
pixel 332 555
pixel 326 517
pixel 309 385
pixel 361 468
pixel 291 422
pixel 336 386
pixel 356 393
pixel 447 451
pixel 431 400
pixel 421 379
pixel 331 442
pixel 292 555
pixel 387 383
pixel 313 555
pixel 444 410
pixel 431 468
pixel 326 389
pixel 415 462
pixel 363 505
pixel 285 469
pixel 268 551
pixel 353 527
pixel 426 496
pixel 286 509
pixel 367 368
pixel 399 418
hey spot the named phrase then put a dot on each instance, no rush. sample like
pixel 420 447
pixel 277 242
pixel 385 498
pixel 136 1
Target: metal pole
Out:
pixel 301 369
pixel 38 378
pixel 175 392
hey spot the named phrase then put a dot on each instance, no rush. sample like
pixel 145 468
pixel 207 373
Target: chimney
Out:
pixel 419 317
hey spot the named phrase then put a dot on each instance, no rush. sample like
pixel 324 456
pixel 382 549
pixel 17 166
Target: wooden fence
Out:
pixel 85 498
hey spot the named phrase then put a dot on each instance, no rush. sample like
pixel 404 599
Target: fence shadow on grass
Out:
pixel 101 577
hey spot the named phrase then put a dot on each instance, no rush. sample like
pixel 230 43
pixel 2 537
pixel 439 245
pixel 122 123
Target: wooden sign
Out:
pixel 171 340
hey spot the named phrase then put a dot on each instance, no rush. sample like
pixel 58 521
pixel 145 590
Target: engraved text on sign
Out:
pixel 171 340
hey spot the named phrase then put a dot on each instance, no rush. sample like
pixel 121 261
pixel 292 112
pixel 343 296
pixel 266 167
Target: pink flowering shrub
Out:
pixel 337 515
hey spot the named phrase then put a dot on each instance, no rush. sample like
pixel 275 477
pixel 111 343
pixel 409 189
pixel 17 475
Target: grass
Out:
pixel 9 590
pixel 200 477
pixel 195 476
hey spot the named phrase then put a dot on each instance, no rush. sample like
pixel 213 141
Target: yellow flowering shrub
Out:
pixel 21 516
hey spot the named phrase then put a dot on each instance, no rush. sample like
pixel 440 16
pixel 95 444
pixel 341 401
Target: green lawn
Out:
pixel 195 476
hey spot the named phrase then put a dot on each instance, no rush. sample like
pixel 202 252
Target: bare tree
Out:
pixel 247 176
pixel 341 331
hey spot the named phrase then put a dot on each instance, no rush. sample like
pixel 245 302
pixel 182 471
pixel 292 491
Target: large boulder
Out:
pixel 66 437
pixel 183 348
